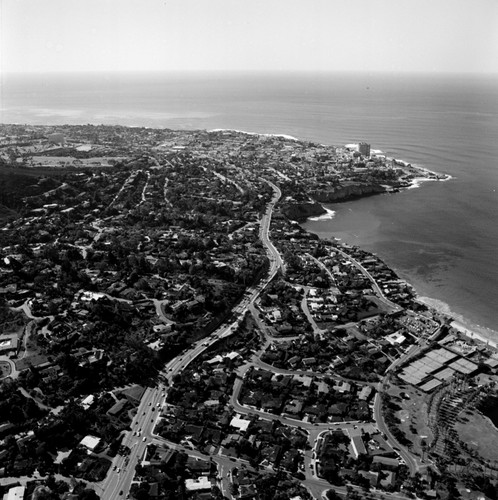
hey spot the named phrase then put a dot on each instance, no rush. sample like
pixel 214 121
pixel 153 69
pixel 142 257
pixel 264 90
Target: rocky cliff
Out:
pixel 345 192
pixel 301 211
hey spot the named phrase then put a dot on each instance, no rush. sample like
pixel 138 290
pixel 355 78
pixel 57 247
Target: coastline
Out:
pixel 283 136
pixel 426 174
pixel 458 322
pixel 462 324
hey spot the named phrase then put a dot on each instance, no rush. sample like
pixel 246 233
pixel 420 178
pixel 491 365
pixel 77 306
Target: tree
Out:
pixel 88 494
pixel 332 495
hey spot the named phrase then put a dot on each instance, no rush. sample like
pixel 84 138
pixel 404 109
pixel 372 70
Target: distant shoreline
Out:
pixel 284 136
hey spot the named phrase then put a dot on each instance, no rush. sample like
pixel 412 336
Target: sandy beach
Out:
pixel 463 325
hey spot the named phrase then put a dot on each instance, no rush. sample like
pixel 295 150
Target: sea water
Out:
pixel 442 237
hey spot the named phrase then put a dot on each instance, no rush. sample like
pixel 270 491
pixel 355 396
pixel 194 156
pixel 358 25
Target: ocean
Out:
pixel 441 237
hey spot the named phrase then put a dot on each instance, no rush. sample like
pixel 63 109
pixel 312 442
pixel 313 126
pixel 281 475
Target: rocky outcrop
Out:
pixel 345 192
pixel 301 211
pixel 333 194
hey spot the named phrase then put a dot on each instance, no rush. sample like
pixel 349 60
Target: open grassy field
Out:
pixel 479 433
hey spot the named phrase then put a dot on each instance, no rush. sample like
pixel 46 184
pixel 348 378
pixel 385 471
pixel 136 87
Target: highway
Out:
pixel 122 471
pixel 119 479
pixel 276 261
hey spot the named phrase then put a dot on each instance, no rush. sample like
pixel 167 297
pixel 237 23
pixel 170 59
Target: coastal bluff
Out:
pixel 301 211
pixel 345 192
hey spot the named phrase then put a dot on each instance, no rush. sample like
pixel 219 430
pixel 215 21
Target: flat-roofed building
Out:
pixel 358 446
pixel 200 484
pixel 392 463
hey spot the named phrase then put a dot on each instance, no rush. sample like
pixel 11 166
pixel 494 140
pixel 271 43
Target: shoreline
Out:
pixel 284 136
pixel 461 323
pixel 457 321
pixel 426 174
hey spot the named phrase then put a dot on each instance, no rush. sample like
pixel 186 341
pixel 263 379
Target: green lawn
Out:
pixel 479 433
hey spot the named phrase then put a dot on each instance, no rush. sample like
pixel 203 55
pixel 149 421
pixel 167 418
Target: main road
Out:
pixel 119 479
pixel 276 261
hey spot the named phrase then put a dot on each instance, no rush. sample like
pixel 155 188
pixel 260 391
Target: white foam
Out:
pixel 330 214
pixel 417 181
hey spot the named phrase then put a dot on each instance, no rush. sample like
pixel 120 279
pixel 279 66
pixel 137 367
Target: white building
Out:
pixel 90 442
pixel 15 493
pixel 199 484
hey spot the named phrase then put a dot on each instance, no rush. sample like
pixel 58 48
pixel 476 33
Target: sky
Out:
pixel 246 35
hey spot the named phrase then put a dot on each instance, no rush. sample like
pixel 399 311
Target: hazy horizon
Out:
pixel 446 36
pixel 255 71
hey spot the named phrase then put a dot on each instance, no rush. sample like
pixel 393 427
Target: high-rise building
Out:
pixel 364 149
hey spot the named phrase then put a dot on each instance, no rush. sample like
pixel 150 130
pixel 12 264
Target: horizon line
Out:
pixel 246 71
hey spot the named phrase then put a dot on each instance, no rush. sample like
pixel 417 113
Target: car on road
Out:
pixel 144 439
pixel 118 470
